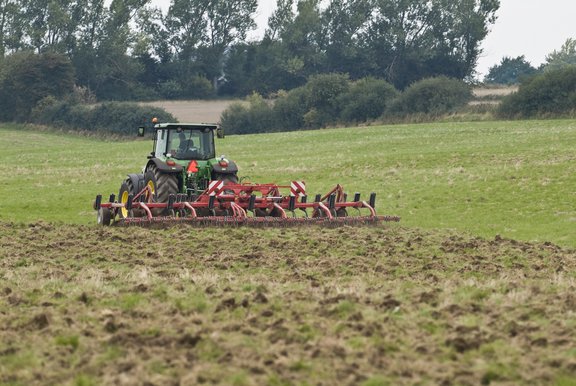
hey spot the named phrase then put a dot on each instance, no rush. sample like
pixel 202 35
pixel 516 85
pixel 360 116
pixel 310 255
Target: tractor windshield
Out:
pixel 189 144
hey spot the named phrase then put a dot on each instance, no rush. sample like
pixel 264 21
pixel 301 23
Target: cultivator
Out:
pixel 225 203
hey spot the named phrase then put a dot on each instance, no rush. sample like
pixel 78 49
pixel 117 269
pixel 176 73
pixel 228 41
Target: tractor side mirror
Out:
pixel 141 131
pixel 220 132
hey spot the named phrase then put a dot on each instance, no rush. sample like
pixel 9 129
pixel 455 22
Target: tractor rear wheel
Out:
pixel 162 185
pixel 227 178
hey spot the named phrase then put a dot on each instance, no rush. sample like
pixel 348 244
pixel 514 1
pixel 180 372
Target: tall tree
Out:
pixel 228 21
pixel 52 24
pixel 107 66
pixel 282 17
pixel 11 26
pixel 343 21
pixel 565 56
pixel 413 39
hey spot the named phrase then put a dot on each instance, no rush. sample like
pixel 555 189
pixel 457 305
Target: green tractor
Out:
pixel 183 161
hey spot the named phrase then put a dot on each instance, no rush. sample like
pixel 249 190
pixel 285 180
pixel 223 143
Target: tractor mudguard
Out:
pixel 230 169
pixel 137 181
pixel 163 167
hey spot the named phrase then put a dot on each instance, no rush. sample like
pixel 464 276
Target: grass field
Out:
pixel 514 179
pixel 474 287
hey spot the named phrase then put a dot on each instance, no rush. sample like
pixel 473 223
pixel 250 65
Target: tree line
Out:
pixel 130 50
pixel 334 99
pixel 515 70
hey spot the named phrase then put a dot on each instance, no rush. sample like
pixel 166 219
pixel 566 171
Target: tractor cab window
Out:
pixel 188 144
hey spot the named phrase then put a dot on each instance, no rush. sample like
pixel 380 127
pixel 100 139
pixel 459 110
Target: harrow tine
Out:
pixel 292 204
pixel 98 202
pixel 251 203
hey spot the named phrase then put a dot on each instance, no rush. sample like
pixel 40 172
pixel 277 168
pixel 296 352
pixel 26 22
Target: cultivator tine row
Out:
pixel 243 204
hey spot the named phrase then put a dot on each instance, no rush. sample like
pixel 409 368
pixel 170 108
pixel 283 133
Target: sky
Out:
pixel 533 28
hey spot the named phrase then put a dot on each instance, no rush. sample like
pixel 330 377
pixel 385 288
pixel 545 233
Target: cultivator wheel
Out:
pixel 226 203
pixel 104 216
pixel 126 193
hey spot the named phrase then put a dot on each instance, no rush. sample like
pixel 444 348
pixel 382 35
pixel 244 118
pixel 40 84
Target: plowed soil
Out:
pixel 373 306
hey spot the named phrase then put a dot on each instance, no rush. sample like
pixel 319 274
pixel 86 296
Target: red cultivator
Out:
pixel 241 204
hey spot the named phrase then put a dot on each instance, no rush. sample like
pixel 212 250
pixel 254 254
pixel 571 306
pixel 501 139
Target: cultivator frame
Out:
pixel 242 204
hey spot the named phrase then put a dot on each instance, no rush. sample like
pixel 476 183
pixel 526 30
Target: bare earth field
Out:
pixel 352 306
pixel 197 111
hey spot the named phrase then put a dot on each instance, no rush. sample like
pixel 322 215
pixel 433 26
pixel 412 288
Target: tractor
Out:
pixel 183 161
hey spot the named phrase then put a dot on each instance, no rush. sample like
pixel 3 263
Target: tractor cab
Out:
pixel 184 141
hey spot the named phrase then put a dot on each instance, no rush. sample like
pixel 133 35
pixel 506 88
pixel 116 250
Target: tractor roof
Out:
pixel 194 126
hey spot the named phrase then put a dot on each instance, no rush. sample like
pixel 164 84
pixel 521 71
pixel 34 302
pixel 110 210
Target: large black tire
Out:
pixel 227 178
pixel 162 185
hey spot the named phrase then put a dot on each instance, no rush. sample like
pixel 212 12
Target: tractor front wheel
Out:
pixel 123 196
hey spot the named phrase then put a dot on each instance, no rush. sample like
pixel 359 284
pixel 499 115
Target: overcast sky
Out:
pixel 532 28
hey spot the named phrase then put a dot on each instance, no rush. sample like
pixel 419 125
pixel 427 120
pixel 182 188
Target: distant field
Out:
pixel 211 111
pixel 491 95
pixel 197 111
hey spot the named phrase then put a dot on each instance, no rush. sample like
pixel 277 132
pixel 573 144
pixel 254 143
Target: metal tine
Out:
pixel 171 200
pixel 98 202
pixel 292 203
pixel 373 200
pixel 251 203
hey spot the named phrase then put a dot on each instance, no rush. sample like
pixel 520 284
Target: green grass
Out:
pixel 514 179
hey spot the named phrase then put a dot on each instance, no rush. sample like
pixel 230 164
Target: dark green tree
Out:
pixel 342 25
pixel 509 71
pixel 27 78
pixel 228 22
pixel 409 40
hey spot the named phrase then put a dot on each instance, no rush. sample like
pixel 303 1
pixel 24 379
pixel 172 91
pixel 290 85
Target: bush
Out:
pixel 27 78
pixel 323 98
pixel 366 100
pixel 552 93
pixel 255 117
pixel 432 96
pixel 112 117
pixel 290 108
